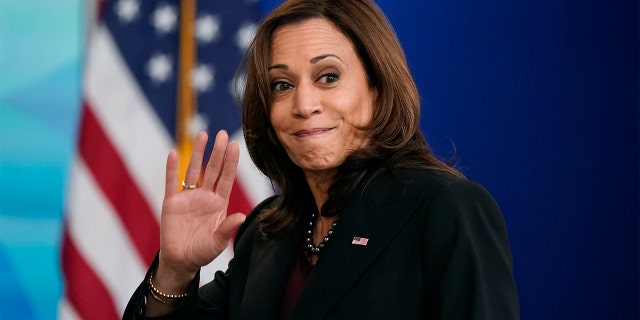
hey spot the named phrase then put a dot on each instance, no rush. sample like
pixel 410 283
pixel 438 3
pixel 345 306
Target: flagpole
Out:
pixel 186 100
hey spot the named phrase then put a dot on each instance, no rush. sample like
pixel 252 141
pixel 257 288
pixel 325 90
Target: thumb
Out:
pixel 228 226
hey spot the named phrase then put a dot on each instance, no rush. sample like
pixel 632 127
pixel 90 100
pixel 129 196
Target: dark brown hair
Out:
pixel 396 140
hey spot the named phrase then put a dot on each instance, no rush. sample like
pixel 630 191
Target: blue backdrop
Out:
pixel 539 100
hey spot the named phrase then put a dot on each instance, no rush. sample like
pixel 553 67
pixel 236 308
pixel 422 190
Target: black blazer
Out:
pixel 437 249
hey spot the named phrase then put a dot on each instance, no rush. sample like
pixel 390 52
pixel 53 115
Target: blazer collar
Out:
pixel 378 214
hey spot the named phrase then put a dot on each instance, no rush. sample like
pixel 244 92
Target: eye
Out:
pixel 328 78
pixel 280 86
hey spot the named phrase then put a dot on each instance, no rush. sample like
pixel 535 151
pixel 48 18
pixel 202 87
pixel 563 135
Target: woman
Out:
pixel 368 223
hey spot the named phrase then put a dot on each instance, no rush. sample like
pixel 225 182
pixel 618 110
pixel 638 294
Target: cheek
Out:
pixel 362 113
pixel 361 110
pixel 277 118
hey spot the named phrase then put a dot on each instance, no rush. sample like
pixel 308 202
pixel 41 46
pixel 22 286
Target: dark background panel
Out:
pixel 538 101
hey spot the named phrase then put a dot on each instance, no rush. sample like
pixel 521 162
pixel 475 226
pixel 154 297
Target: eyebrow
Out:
pixel 324 56
pixel 279 66
pixel 312 61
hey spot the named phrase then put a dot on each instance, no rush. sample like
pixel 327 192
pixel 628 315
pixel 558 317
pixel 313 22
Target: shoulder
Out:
pixel 428 185
pixel 437 196
pixel 446 188
pixel 454 213
pixel 454 206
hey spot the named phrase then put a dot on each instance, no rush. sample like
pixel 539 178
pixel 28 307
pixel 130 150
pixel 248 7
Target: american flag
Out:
pixel 127 127
pixel 360 241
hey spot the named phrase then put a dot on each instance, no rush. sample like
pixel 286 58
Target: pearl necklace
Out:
pixel 309 246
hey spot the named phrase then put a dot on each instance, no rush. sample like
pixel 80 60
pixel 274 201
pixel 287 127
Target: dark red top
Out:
pixel 297 278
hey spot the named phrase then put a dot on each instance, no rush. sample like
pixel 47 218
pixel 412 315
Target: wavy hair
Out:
pixel 396 140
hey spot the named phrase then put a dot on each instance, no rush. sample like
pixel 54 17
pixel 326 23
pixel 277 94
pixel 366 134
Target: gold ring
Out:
pixel 186 186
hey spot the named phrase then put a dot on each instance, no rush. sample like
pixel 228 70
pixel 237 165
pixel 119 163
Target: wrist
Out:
pixel 165 298
pixel 170 279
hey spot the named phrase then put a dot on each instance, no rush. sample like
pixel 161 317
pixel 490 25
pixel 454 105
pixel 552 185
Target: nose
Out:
pixel 306 101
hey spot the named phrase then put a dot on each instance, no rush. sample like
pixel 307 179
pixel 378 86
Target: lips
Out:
pixel 311 132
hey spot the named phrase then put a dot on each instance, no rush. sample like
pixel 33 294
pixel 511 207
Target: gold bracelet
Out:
pixel 163 297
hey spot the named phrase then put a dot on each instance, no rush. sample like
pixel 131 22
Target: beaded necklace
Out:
pixel 309 246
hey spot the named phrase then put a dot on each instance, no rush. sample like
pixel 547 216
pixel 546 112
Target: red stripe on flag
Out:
pixel 114 179
pixel 238 200
pixel 84 290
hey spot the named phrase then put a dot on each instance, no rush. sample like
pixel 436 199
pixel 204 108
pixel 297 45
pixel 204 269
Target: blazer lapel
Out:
pixel 377 215
pixel 270 265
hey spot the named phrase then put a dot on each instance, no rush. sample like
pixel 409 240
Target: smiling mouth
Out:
pixel 312 132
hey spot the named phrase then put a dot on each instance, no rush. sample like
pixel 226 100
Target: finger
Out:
pixel 195 163
pixel 228 226
pixel 215 163
pixel 171 176
pixel 228 175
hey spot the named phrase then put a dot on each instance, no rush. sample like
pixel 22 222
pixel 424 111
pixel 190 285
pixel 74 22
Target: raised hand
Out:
pixel 194 227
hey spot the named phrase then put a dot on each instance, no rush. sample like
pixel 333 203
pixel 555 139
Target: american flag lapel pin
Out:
pixel 360 241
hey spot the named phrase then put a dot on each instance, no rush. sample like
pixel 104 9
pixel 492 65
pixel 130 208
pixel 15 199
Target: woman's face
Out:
pixel 321 94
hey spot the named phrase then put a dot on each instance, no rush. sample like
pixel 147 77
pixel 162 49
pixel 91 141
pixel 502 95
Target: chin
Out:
pixel 317 166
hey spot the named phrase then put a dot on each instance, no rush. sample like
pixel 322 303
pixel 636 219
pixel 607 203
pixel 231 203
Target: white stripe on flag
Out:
pixel 101 239
pixel 128 119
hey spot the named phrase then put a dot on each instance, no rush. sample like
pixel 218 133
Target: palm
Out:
pixel 194 226
pixel 188 227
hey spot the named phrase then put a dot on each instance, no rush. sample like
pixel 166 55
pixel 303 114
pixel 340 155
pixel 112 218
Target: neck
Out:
pixel 319 183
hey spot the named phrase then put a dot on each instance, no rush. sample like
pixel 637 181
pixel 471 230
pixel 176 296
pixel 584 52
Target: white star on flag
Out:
pixel 127 10
pixel 245 35
pixel 198 123
pixel 159 68
pixel 165 19
pixel 203 77
pixel 207 28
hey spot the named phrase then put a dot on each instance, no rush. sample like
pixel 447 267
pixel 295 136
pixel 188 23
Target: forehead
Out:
pixel 309 37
